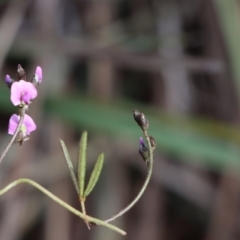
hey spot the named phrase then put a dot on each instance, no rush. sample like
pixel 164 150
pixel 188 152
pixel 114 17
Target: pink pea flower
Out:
pixel 22 92
pixel 28 125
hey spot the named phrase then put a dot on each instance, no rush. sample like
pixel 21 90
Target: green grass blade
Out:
pixel 209 143
pixel 95 175
pixel 70 165
pixel 82 163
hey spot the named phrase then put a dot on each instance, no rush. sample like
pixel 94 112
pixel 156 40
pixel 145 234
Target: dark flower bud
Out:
pixel 153 142
pixel 143 150
pixel 140 119
pixel 9 81
pixel 21 75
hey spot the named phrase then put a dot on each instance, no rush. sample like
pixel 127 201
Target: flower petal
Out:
pixel 29 123
pixel 13 122
pixel 29 89
pixel 22 91
pixel 16 91
pixel 38 72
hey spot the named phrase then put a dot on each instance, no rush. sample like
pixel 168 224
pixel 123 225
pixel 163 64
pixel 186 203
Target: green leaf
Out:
pixel 95 175
pixel 82 163
pixel 70 165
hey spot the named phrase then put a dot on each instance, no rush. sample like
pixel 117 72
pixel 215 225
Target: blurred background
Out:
pixel 178 61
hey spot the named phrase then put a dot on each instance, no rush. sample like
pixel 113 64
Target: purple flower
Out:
pixel 27 126
pixel 22 92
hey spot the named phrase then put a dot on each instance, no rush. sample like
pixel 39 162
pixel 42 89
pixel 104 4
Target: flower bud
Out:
pixel 21 75
pixel 37 77
pixel 9 81
pixel 153 142
pixel 140 119
pixel 143 151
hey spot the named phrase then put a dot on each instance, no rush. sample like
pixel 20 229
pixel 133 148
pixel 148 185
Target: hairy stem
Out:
pixel 10 143
pixel 62 203
pixel 149 174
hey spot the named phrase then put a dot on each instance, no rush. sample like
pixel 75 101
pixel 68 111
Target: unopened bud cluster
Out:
pixel 144 124
pixel 141 120
pixel 22 94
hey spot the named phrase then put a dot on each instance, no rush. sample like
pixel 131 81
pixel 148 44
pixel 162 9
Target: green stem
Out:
pixel 10 143
pixel 62 203
pixel 149 174
pixel 84 212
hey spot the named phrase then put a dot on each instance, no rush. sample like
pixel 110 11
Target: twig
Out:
pixel 62 203
pixel 10 143
pixel 149 174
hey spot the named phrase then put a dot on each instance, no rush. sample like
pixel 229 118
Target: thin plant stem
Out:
pixel 149 174
pixel 62 203
pixel 10 143
pixel 84 212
